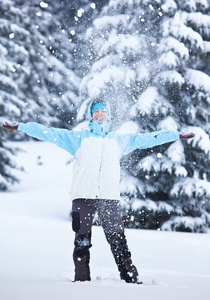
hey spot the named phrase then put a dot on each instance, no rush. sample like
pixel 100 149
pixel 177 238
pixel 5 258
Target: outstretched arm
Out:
pixel 10 126
pixel 130 142
pixel 68 140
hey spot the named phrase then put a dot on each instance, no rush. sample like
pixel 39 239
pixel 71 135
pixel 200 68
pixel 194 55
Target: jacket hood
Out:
pixel 98 127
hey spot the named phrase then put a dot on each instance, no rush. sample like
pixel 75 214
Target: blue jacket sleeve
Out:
pixel 130 142
pixel 63 138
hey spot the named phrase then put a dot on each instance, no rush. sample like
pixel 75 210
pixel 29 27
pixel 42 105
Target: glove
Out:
pixel 187 136
pixel 10 126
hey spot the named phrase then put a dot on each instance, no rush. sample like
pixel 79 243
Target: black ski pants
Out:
pixel 83 211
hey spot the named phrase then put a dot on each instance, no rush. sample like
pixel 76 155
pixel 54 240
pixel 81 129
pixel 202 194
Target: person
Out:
pixel 96 177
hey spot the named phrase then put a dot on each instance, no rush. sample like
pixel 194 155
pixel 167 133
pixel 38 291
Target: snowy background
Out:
pixel 150 60
pixel 36 244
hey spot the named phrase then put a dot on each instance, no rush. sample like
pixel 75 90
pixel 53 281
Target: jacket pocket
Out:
pixel 75 221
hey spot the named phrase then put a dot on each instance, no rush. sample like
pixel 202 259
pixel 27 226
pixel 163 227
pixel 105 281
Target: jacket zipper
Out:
pixel 99 171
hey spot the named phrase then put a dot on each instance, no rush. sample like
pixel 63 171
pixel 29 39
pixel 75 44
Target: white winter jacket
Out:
pixel 96 170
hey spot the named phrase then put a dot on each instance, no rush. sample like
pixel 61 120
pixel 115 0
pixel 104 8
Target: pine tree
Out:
pixel 13 56
pixel 143 57
pixel 36 78
pixel 7 164
pixel 12 68
pixel 53 83
pixel 78 15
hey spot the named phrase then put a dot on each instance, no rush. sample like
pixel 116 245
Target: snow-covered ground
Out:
pixel 36 244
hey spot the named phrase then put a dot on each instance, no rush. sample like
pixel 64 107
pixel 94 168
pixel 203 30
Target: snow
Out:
pixel 130 185
pixel 170 43
pixel 151 205
pixel 97 81
pixel 13 109
pixel 177 29
pixel 168 123
pixel 142 72
pixel 3 51
pixel 8 82
pixel 180 170
pixel 83 110
pixel 126 44
pixel 43 4
pixel 169 60
pixel 106 21
pixel 92 5
pixel 192 187
pixel 129 127
pixel 189 222
pixel 138 204
pixel 172 77
pixel 176 152
pixel 200 140
pixel 149 163
pixel 57 78
pixel 150 101
pixel 200 21
pixel 199 80
pixel 206 45
pixel 169 6
pixel 103 62
pixel 37 244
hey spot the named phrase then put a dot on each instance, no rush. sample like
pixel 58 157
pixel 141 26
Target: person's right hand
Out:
pixel 10 126
pixel 186 136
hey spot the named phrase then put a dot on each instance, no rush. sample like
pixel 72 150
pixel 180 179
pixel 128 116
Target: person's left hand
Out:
pixel 186 136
